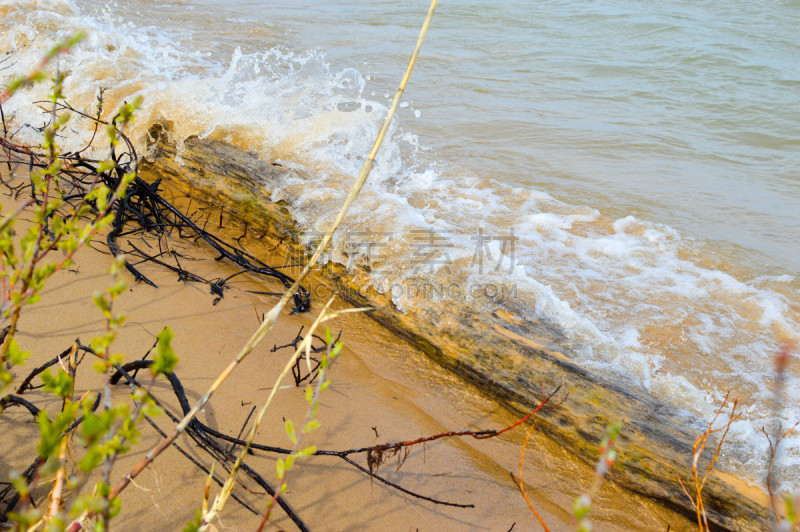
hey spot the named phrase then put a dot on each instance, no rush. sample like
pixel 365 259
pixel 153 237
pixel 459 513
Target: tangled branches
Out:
pixel 142 210
pixel 221 447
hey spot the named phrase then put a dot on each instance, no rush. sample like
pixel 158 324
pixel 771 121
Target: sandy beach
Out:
pixel 383 391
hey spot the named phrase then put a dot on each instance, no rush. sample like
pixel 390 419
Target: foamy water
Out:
pixel 625 172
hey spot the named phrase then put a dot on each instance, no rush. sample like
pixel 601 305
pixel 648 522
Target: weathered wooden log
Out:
pixel 510 359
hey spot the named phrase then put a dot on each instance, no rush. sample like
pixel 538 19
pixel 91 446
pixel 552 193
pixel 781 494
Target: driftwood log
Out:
pixel 511 360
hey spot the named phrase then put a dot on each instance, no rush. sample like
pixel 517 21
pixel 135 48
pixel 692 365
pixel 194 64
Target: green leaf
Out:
pixel 129 431
pixel 114 507
pixel 312 425
pixel 26 519
pixel 6 378
pixel 20 483
pixel 111 131
pixel 77 37
pixel 165 359
pixel 118 320
pixel 309 394
pixel 91 460
pixel 151 410
pixel 280 468
pixel 92 427
pixel 96 426
pixel 65 45
pixel 15 355
pixel 60 383
pixel 100 344
pixel 87 503
pixel 308 451
pixel 102 197
pixel 581 507
pixel 103 489
pixel 614 429
pixel 290 431
pixel 611 456
pixel 116 267
pixel 16 83
pixel 102 303
pixel 54 169
pixel 105 166
pixel 336 349
pixel 69 245
pixel 63 118
pixel 50 466
pixel 36 179
pixel 194 524
pixel 50 431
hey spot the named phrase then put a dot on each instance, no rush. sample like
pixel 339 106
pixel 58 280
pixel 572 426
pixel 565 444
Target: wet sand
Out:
pixel 383 390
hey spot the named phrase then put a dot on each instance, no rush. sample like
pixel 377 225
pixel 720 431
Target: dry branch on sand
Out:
pixel 216 443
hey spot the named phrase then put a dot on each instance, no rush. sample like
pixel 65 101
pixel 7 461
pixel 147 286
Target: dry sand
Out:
pixel 382 391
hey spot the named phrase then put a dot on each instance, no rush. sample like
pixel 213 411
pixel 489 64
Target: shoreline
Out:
pixel 378 382
pixel 509 359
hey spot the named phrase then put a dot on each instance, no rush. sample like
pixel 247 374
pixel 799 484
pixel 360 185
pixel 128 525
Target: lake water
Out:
pixel 624 170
